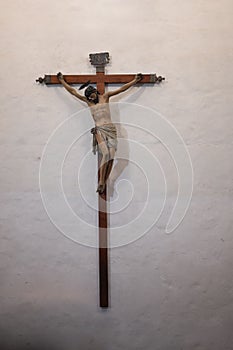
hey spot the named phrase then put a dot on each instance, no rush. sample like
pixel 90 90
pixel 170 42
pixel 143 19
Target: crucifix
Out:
pixel 104 138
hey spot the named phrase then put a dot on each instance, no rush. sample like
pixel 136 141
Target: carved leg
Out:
pixel 103 169
pixel 110 163
pixel 104 162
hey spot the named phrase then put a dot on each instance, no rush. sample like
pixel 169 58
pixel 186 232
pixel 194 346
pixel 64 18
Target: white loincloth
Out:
pixel 108 133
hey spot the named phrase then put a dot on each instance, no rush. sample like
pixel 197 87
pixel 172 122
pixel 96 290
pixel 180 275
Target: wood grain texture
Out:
pixel 98 78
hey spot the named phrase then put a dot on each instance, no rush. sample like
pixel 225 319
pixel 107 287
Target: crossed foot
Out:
pixel 101 188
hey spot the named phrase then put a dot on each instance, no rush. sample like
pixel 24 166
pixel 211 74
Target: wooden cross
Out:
pixel 100 60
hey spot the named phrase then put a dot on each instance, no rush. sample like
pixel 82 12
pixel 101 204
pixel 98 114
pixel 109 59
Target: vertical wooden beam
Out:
pixel 103 247
pixel 103 224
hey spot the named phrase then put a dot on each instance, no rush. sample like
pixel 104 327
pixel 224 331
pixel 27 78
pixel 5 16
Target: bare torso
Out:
pixel 101 111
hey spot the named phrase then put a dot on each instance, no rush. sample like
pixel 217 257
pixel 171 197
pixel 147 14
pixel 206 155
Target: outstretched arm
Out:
pixel 70 89
pixel 125 87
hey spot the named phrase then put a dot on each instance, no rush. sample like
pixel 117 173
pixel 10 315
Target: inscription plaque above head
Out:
pixel 99 59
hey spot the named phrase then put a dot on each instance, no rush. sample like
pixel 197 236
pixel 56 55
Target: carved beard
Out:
pixel 96 100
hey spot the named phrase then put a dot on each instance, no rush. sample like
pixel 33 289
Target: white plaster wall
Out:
pixel 167 291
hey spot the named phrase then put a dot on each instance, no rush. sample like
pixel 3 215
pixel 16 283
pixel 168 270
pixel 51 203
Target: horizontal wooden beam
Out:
pixel 101 78
pixel 70 79
pixel 125 78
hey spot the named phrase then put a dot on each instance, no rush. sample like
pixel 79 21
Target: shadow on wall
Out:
pixel 41 343
pixel 122 154
pixel 58 325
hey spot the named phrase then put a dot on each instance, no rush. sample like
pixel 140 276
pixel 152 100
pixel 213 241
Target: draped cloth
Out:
pixel 108 133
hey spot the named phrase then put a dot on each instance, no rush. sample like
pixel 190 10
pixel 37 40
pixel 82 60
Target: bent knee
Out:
pixel 106 156
pixel 112 153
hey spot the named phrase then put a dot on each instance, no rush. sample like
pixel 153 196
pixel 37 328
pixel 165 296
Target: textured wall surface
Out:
pixel 168 291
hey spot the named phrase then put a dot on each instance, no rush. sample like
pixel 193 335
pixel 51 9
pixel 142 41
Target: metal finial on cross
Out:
pixel 100 60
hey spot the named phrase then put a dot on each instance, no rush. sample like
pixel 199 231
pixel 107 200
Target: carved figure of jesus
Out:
pixel 104 132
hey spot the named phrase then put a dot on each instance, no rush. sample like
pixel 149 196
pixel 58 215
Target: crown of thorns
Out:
pixel 89 90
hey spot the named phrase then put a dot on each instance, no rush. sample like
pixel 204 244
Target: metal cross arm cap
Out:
pixel 155 79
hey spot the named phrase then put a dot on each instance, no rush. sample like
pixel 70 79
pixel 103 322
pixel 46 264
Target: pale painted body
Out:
pixel 100 111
